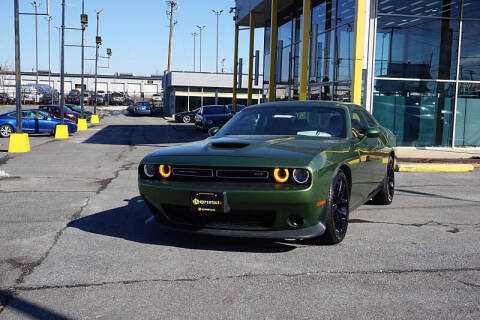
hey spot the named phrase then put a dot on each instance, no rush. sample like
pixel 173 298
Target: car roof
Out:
pixel 311 103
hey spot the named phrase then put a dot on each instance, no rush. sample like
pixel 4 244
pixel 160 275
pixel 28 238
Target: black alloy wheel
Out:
pixel 186 118
pixel 337 210
pixel 387 188
pixel 339 206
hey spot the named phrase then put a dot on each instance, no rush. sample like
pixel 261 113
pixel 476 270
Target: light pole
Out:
pixel 62 66
pixel 49 19
pixel 217 13
pixel 84 24
pixel 98 43
pixel 36 5
pixel 18 74
pixel 201 28
pixel 194 49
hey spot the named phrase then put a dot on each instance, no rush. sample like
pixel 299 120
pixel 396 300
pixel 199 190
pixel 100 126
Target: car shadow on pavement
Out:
pixel 132 135
pixel 27 308
pixel 129 223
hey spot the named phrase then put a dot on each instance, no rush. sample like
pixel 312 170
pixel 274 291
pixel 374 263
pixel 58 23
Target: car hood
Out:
pixel 291 151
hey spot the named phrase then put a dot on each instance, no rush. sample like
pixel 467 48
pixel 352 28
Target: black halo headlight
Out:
pixel 149 170
pixel 301 176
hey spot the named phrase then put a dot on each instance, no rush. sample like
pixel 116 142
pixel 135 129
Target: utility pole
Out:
pixel 98 43
pixel 201 28
pixel 172 6
pixel 217 13
pixel 36 5
pixel 49 19
pixel 194 34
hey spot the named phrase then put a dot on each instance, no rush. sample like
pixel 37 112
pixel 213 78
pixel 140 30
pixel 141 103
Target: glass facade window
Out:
pixel 416 48
pixel 467 126
pixel 419 39
pixel 470 53
pixel 427 8
pixel 471 9
pixel 420 113
pixel 334 49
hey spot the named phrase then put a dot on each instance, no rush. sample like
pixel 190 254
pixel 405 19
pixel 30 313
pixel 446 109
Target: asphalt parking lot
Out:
pixel 74 244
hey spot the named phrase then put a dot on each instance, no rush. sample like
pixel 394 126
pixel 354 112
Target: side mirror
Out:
pixel 373 133
pixel 213 131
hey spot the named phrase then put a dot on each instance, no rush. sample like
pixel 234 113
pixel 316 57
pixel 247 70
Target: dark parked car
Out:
pixel 186 116
pixel 33 121
pixel 239 108
pixel 78 109
pixel 5 98
pixel 140 108
pixel 55 111
pixel 49 97
pixel 100 99
pixel 73 97
pixel 211 116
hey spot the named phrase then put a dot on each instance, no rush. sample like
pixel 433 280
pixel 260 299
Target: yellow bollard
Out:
pixel 18 143
pixel 61 131
pixel 94 119
pixel 82 125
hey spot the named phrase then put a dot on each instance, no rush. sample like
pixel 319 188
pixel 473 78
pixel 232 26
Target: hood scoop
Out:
pixel 229 145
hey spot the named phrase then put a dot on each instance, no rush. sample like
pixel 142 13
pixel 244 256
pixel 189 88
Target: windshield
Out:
pixel 143 103
pixel 214 110
pixel 295 120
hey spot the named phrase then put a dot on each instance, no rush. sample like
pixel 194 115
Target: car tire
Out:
pixel 186 119
pixel 6 130
pixel 337 210
pixel 384 196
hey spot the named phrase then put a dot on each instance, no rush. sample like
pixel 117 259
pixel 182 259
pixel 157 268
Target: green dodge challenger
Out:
pixel 287 170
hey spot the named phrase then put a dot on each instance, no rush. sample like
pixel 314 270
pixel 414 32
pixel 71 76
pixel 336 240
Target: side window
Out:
pixel 369 118
pixel 358 122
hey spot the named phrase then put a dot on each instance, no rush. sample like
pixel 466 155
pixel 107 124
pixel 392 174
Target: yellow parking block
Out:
pixel 18 143
pixel 82 125
pixel 61 131
pixel 434 167
pixel 94 119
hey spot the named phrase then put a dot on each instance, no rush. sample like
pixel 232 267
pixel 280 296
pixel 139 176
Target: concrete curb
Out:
pixel 433 167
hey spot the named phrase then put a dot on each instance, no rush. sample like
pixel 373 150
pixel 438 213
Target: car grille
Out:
pixel 222 174
pixel 235 219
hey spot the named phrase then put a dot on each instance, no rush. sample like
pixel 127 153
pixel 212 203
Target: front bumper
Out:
pixel 302 233
pixel 282 203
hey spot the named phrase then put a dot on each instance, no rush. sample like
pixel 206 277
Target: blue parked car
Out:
pixel 33 121
pixel 140 108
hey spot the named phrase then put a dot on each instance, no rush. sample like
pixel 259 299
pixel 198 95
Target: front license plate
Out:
pixel 208 202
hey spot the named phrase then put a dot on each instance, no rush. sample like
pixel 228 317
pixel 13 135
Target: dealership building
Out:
pixel 414 64
pixel 188 90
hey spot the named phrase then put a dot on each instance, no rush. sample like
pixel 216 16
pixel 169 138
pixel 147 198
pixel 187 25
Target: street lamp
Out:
pixel 201 28
pixel 36 5
pixel 194 34
pixel 217 13
pixel 49 19
pixel 84 24
pixel 98 41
